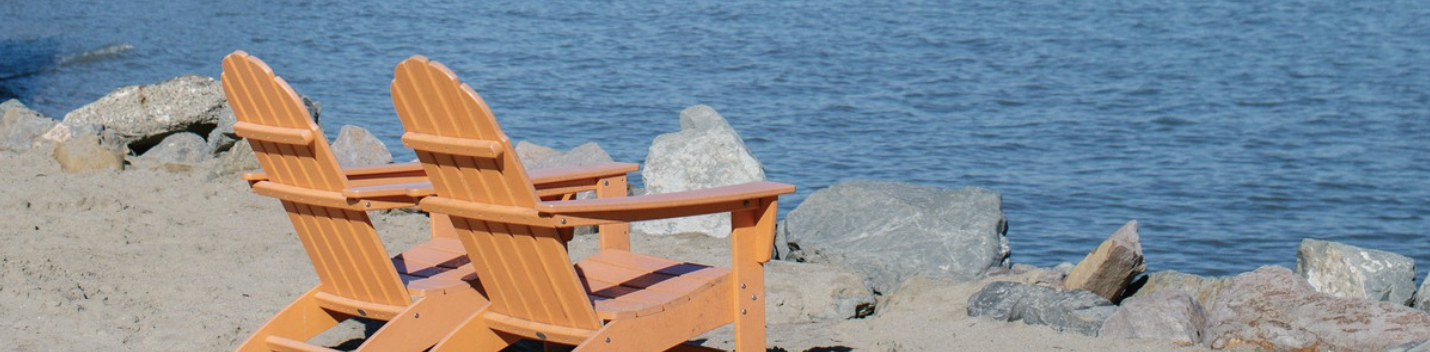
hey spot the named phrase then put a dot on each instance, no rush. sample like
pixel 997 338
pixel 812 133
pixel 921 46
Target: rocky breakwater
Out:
pixel 1340 298
pixel 849 244
pixel 181 125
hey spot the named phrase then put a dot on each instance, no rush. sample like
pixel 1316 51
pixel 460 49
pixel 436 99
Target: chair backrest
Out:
pixel 525 270
pixel 345 249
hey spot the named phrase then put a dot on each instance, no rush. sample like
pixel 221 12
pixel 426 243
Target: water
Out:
pixel 1229 129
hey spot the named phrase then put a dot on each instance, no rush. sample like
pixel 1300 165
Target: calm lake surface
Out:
pixel 1230 129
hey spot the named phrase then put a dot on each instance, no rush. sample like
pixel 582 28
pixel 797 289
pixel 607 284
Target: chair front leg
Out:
pixel 752 237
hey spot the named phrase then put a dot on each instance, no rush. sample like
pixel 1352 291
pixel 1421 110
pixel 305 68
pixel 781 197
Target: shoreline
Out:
pixel 168 248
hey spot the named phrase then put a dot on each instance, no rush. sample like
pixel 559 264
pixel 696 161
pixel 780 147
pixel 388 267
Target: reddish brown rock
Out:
pixel 1109 268
pixel 1275 309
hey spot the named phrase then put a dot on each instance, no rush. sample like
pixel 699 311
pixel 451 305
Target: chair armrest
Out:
pixel 385 171
pixel 555 175
pixel 362 173
pixel 418 187
pixel 666 205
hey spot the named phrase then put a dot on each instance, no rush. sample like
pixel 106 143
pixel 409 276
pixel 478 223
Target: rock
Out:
pixel 1108 269
pixel 1273 308
pixel 706 153
pixel 11 104
pixel 315 109
pixel 1417 346
pixel 803 292
pixel 1348 271
pixel 179 148
pixel 62 132
pixel 531 152
pixel 1422 297
pixel 20 127
pixel 538 157
pixel 781 251
pixel 890 231
pixel 356 147
pixel 142 115
pixel 1166 315
pixel 1028 274
pixel 1203 289
pixel 223 137
pixel 238 159
pixel 88 152
pixel 1077 311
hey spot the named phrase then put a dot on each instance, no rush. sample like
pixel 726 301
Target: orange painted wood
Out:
pixel 583 172
pixel 703 312
pixel 358 308
pixel 617 235
pixel 748 259
pixel 716 195
pixel 285 135
pixel 614 300
pixel 486 212
pixel 304 195
pixel 356 276
pixel 454 146
pixel 281 344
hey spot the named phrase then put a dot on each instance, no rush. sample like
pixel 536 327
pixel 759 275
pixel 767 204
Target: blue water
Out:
pixel 1229 129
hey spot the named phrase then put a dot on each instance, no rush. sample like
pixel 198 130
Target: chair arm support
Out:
pixel 663 206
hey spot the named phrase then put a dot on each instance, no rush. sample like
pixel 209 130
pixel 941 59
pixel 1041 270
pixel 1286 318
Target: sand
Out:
pixel 152 260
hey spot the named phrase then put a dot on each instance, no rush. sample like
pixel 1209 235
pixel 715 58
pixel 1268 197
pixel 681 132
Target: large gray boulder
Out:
pixel 1108 269
pixel 89 152
pixel 1076 311
pixel 1274 308
pixel 706 153
pixel 805 292
pixel 356 147
pixel 142 115
pixel 1203 289
pixel 535 157
pixel 1344 270
pixel 1167 315
pixel 20 127
pixel 185 149
pixel 891 230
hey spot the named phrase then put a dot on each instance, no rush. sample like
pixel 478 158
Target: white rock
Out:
pixel 706 153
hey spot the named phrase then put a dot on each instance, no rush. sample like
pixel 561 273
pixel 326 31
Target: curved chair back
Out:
pixel 525 269
pixel 345 249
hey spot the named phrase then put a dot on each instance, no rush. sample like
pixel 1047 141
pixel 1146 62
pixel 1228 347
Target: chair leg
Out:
pixel 426 322
pixel 474 334
pixel 300 320
pixel 748 264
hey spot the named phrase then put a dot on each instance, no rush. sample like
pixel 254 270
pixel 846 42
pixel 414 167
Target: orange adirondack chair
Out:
pixel 421 293
pixel 615 300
